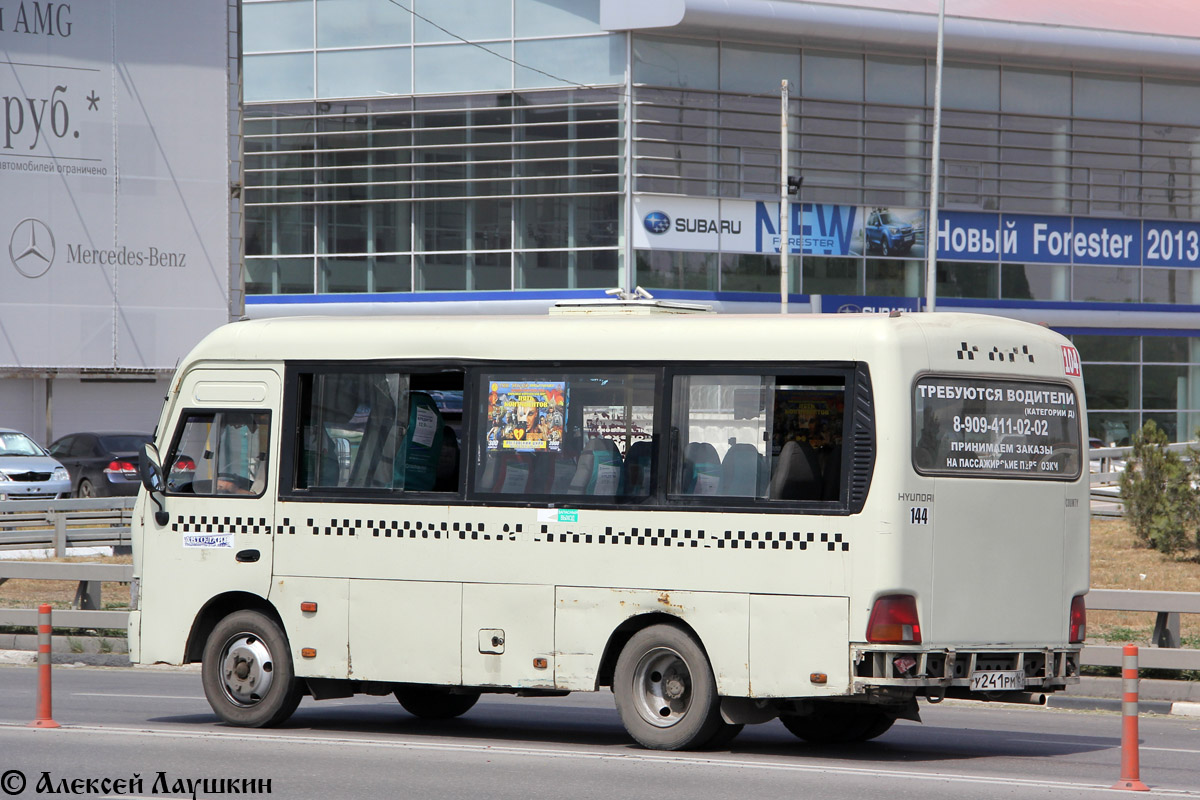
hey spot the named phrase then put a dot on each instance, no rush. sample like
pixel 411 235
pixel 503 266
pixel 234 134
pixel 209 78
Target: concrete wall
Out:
pixel 78 405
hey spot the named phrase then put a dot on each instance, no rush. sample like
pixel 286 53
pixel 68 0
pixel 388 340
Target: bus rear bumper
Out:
pixel 937 673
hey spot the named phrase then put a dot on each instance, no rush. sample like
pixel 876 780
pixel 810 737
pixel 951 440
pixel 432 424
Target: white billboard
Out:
pixel 114 165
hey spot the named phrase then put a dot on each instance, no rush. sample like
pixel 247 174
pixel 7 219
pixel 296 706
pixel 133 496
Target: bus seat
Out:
pixel 416 467
pixel 742 471
pixel 562 473
pixel 447 463
pixel 701 469
pixel 832 483
pixel 637 472
pixel 506 473
pixel 598 471
pixel 796 475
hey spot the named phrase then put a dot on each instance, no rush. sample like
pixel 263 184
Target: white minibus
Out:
pixel 723 519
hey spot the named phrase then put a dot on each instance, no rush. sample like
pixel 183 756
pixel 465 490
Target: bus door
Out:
pixel 220 463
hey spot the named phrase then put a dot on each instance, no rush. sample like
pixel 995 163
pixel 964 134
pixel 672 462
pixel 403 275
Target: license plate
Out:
pixel 999 681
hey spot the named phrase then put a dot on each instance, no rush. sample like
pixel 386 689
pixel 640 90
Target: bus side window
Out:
pixel 567 434
pixel 769 437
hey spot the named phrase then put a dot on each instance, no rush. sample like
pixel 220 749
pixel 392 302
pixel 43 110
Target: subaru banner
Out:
pixel 1037 239
pixel 752 226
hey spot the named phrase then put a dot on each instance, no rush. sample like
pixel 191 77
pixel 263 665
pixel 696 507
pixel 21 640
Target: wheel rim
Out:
pixel 85 489
pixel 246 669
pixel 662 687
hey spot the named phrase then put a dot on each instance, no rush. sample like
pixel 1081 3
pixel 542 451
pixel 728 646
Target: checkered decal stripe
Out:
pixel 207 524
pixel 634 537
pixel 731 540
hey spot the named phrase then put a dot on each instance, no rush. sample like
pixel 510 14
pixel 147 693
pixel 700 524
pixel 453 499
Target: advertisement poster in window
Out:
pixel 526 416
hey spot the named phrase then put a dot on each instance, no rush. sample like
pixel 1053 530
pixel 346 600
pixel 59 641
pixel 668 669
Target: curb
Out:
pixel 25 658
pixel 1114 704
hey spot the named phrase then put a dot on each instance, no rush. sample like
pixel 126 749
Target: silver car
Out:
pixel 27 472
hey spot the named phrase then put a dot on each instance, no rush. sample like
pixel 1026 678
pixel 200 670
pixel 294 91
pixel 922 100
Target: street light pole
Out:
pixel 784 204
pixel 931 244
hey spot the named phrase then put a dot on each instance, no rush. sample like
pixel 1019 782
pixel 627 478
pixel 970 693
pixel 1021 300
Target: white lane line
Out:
pixel 593 755
pixel 140 696
pixel 1113 746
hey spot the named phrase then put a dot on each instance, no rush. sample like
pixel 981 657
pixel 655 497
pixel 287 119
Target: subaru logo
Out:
pixel 657 222
pixel 849 308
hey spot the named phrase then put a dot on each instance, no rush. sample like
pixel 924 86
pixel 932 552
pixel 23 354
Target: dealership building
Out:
pixel 459 156
pixel 498 156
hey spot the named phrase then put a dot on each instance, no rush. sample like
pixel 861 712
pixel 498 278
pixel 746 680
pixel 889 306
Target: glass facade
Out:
pixel 462 146
pixel 1130 380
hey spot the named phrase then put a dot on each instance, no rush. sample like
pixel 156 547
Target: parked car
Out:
pixel 27 471
pixel 888 235
pixel 101 464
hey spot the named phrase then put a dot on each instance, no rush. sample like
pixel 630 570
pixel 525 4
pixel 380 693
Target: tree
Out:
pixel 1156 486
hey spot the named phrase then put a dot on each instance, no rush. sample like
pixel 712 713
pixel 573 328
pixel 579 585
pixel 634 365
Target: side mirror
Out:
pixel 151 472
pixel 150 469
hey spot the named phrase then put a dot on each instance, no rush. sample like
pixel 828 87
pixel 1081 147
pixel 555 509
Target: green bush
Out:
pixel 1160 501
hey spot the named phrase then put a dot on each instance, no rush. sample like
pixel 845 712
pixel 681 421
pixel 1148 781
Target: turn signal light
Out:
pixel 894 620
pixel 309 652
pixel 540 663
pixel 1078 620
pixel 308 605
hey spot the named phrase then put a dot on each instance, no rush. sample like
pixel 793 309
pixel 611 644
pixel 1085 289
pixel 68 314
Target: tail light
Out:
pixel 1078 620
pixel 183 464
pixel 122 467
pixel 894 620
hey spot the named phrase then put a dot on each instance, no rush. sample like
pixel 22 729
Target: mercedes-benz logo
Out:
pixel 31 247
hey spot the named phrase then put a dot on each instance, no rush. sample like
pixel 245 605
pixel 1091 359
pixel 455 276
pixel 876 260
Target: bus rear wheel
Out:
pixel 434 702
pixel 840 723
pixel 665 690
pixel 247 671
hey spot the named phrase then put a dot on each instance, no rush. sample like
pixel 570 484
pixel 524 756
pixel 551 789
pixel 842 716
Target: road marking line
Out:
pixel 593 755
pixel 1115 743
pixel 142 696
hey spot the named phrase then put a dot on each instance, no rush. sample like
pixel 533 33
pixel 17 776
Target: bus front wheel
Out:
pixel 665 690
pixel 840 723
pixel 247 671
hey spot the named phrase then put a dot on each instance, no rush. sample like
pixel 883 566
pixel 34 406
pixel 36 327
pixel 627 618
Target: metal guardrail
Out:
pixel 1165 652
pixel 87 611
pixel 59 524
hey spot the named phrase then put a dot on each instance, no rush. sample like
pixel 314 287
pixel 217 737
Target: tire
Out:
pixel 247 671
pixel 725 734
pixel 665 690
pixel 885 248
pixel 840 723
pixel 434 702
pixel 85 489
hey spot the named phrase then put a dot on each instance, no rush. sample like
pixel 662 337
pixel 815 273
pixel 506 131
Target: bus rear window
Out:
pixel 981 427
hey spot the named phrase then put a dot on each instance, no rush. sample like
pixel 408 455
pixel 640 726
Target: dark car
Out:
pixel 101 464
pixel 888 235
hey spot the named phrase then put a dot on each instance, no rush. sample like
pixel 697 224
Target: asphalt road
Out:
pixel 118 723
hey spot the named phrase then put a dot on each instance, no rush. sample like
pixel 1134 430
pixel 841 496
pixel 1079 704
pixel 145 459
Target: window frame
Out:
pixel 840 506
pixel 549 370
pixel 181 422
pixel 856 466
pixel 291 445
